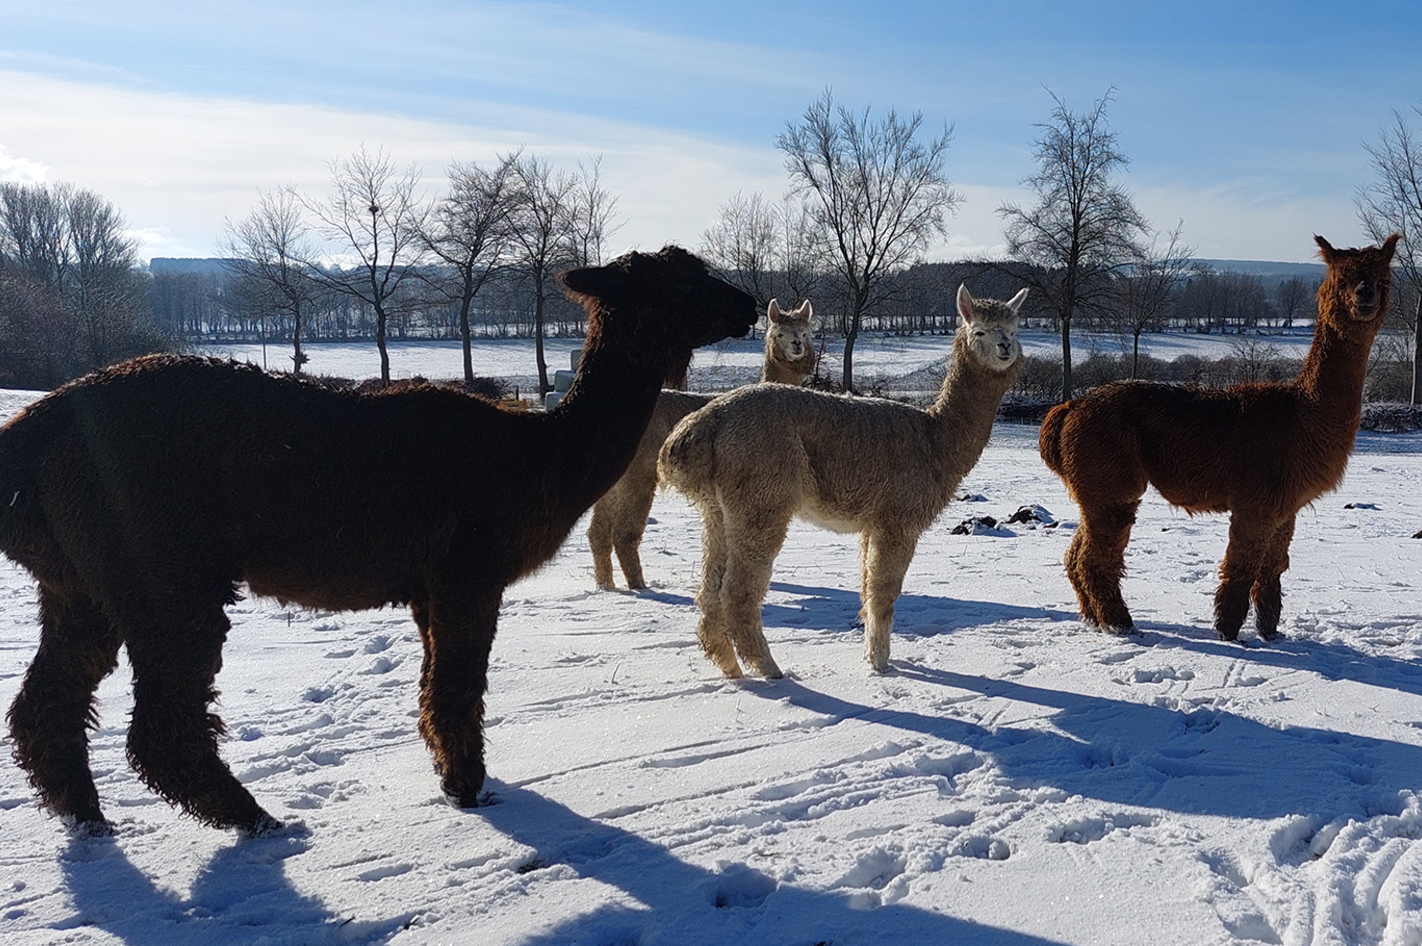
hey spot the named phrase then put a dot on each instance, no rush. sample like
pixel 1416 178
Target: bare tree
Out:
pixel 1393 204
pixel 745 244
pixel 1148 287
pixel 542 227
pixel 594 212
pixel 470 232
pixel 1293 298
pixel 269 251
pixel 374 213
pixel 1083 228
pixel 877 194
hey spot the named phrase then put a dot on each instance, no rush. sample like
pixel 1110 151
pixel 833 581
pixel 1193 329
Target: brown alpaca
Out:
pixel 789 344
pixel 755 458
pixel 620 517
pixel 1260 452
pixel 141 496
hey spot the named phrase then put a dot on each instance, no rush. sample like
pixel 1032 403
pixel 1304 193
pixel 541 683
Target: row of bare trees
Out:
pixel 71 299
pixel 376 241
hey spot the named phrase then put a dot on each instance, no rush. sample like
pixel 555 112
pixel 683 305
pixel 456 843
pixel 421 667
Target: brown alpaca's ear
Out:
pixel 1324 249
pixel 595 281
pixel 772 311
pixel 1389 246
pixel 965 303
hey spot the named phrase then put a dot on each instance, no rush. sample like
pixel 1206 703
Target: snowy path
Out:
pixel 1016 779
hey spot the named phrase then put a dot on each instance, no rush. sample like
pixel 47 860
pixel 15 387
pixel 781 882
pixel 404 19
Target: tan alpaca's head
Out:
pixel 990 328
pixel 789 336
pixel 1358 281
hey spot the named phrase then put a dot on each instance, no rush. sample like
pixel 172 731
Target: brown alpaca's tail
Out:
pixel 1050 440
pixel 687 460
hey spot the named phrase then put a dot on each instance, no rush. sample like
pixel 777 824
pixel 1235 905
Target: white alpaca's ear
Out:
pixel 805 312
pixel 965 302
pixel 1016 301
pixel 772 311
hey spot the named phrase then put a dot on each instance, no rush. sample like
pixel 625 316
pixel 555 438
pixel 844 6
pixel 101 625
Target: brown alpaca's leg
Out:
pixel 710 597
pixel 627 532
pixel 753 539
pixel 600 541
pixel 78 648
pixel 887 559
pixel 1249 542
pixel 458 632
pixel 172 739
pixel 1267 592
pixel 1100 564
pixel 863 616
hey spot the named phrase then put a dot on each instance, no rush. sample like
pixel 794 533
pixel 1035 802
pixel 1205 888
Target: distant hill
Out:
pixel 169 264
pixel 1266 269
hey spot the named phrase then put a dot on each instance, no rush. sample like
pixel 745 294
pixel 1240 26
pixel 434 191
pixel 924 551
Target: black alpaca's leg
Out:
pixel 458 631
pixel 172 739
pixel 55 707
pixel 1268 591
pixel 1099 553
pixel 1238 571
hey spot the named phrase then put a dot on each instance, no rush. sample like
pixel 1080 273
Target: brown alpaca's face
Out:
pixel 1358 280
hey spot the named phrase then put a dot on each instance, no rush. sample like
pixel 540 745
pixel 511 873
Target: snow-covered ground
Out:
pixel 722 366
pixel 1015 779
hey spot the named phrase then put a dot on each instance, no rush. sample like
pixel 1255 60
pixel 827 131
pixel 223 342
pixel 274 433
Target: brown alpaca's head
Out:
pixel 990 328
pixel 790 335
pixel 655 308
pixel 1358 282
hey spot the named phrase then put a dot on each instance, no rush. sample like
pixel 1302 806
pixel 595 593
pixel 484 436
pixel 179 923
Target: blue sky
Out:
pixel 1246 120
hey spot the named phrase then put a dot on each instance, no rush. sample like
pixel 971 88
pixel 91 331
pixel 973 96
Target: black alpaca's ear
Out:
pixel 1324 249
pixel 595 281
pixel 1389 246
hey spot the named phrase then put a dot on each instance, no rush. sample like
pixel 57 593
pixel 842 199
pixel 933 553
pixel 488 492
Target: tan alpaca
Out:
pixel 755 458
pixel 620 517
pixel 789 345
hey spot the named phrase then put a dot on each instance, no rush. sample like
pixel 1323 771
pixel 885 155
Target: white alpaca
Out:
pixel 620 516
pixel 757 457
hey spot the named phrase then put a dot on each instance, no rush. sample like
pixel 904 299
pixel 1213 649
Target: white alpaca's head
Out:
pixel 990 328
pixel 789 335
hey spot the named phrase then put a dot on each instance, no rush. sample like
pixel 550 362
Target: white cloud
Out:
pixel 179 165
pixel 20 170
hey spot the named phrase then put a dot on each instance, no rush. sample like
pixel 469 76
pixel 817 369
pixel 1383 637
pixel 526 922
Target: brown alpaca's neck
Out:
pixel 1331 380
pixel 785 372
pixel 598 424
pixel 965 408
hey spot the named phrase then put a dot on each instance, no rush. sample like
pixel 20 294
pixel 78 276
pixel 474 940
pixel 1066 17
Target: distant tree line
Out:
pixel 71 297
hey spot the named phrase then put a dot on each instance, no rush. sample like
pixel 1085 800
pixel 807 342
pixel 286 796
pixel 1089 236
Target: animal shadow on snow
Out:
pixel 1331 660
pixel 837 609
pixel 242 892
pixel 697 905
pixel 1199 762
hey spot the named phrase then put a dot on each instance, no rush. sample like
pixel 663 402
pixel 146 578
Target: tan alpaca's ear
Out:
pixel 1389 246
pixel 772 311
pixel 1016 301
pixel 805 312
pixel 965 302
pixel 1324 249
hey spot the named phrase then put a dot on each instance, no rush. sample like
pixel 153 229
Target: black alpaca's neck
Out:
pixel 600 421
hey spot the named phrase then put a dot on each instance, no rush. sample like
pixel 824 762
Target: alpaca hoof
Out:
pixel 264 826
pixel 1272 634
pixel 81 829
pixel 1227 635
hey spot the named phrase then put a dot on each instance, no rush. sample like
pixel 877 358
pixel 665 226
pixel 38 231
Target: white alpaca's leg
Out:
pixel 753 539
pixel 709 598
pixel 886 560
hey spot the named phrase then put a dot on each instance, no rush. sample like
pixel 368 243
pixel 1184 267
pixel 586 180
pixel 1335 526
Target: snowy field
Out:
pixel 716 367
pixel 1016 779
